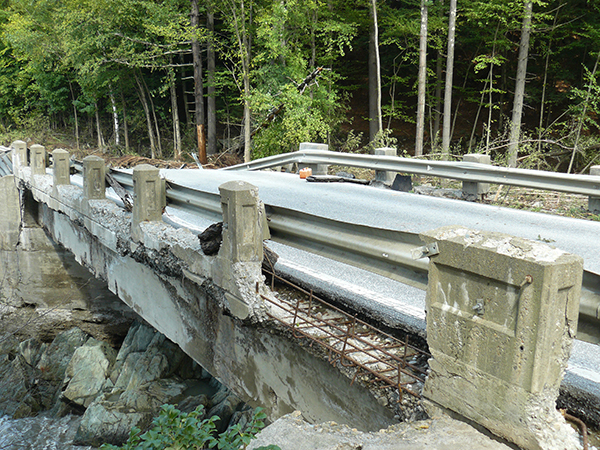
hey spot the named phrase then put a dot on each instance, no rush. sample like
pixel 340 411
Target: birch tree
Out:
pixel 422 81
pixel 375 125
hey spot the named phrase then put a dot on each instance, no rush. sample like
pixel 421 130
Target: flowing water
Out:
pixel 39 433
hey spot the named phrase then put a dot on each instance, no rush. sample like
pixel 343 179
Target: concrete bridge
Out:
pixel 219 310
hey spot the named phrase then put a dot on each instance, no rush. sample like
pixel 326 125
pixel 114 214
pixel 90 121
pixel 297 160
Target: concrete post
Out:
pixel 38 159
pixel 94 183
pixel 60 168
pixel 242 233
pixel 19 155
pixel 385 176
pixel 317 169
pixel 473 191
pixel 148 196
pixel 594 202
pixel 501 315
pixel 10 219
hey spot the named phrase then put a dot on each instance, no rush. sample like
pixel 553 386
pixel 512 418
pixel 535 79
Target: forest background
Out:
pixel 514 79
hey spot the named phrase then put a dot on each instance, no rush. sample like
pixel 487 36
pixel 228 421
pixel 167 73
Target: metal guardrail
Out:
pixel 6 167
pixel 464 171
pixel 383 251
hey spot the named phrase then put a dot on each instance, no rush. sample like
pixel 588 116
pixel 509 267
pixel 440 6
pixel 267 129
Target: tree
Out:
pixel 198 84
pixel 448 82
pixel 375 125
pixel 515 125
pixel 422 81
pixel 211 141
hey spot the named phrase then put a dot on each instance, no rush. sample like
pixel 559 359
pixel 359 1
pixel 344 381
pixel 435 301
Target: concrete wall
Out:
pixel 43 290
pixel 501 316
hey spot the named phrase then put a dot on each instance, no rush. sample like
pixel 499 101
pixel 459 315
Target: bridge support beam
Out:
pixel 501 315
pixel 473 191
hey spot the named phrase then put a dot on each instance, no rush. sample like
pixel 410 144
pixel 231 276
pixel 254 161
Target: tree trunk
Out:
pixel 99 131
pixel 544 83
pixel 437 114
pixel 245 47
pixel 211 101
pixel 159 152
pixel 125 129
pixel 448 85
pixel 198 86
pixel 115 115
pixel 422 81
pixel 142 95
pixel 175 116
pixel 515 126
pixel 583 114
pixel 75 117
pixel 375 125
pixel 184 92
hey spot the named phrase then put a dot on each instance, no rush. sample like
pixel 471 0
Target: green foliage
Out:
pixel 383 139
pixel 175 430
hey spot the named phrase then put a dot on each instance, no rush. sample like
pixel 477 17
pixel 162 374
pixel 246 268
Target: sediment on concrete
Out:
pixel 291 432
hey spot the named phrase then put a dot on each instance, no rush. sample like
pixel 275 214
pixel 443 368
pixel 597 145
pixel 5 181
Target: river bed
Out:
pixel 39 433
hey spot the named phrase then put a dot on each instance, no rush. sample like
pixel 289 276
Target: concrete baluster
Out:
pixel 94 183
pixel 385 176
pixel 60 167
pixel 473 191
pixel 594 202
pixel 148 197
pixel 19 156
pixel 317 169
pixel 38 159
pixel 501 316
pixel 242 232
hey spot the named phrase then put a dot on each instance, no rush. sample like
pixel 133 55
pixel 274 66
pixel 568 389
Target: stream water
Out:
pixel 39 433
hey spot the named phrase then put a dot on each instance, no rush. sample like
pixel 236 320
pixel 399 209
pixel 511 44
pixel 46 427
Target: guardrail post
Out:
pixel 242 233
pixel 148 197
pixel 317 169
pixel 594 202
pixel 19 156
pixel 60 167
pixel 384 176
pixel 38 159
pixel 473 191
pixel 94 172
pixel 501 315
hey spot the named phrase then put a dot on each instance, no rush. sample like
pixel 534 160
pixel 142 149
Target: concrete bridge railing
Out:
pixel 501 311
